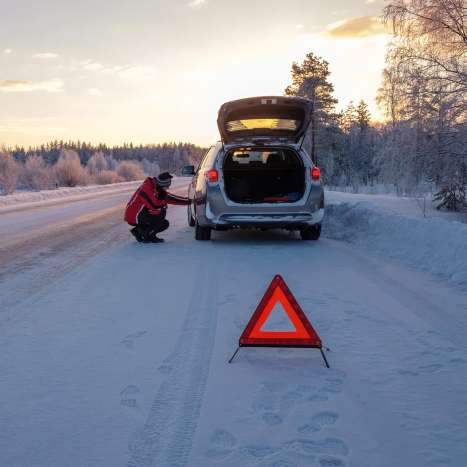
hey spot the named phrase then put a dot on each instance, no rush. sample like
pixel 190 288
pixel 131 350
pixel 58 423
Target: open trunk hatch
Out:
pixel 281 118
pixel 263 175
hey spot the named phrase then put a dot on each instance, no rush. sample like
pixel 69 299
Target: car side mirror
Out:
pixel 188 170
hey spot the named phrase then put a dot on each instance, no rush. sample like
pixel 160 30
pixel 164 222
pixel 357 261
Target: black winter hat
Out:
pixel 164 179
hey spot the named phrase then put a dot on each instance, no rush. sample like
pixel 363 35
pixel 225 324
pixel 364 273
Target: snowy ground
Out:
pixel 115 353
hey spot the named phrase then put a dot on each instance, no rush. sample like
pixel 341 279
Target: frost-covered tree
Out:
pixel 68 169
pixel 10 172
pixel 129 171
pixel 36 174
pixel 97 163
pixel 424 92
pixel 150 168
pixel 106 177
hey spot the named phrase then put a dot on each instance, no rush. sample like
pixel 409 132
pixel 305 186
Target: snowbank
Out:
pixel 27 197
pixel 434 245
pixel 30 199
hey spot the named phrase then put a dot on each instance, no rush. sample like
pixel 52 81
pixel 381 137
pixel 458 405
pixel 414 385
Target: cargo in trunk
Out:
pixel 256 175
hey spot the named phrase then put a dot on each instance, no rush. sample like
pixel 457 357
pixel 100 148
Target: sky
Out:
pixel 149 71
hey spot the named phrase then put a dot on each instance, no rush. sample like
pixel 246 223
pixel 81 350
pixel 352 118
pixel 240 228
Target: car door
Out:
pixel 194 180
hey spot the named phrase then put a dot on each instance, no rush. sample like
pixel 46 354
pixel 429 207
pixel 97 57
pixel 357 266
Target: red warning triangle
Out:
pixel 304 334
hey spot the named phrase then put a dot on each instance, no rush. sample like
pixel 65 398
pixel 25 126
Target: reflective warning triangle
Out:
pixel 304 334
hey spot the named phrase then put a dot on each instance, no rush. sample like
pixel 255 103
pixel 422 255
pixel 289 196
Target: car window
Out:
pixel 208 159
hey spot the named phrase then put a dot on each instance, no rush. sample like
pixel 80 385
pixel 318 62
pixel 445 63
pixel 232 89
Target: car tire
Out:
pixel 312 232
pixel 202 233
pixel 191 220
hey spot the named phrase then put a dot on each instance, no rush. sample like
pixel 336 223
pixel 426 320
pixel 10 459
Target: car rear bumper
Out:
pixel 267 220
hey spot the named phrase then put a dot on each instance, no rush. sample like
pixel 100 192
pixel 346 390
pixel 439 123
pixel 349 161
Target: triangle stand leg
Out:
pixel 233 356
pixel 324 357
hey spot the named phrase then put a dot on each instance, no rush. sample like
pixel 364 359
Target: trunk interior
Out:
pixel 263 175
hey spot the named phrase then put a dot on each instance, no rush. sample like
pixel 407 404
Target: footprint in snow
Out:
pixel 431 368
pixel 289 399
pixel 317 398
pixel 129 340
pixel 281 463
pixel 333 385
pixel 318 422
pixel 272 418
pixel 306 447
pixel 128 396
pixel 258 451
pixel 165 368
pixel 457 360
pixel 331 462
pixel 407 373
pixel 222 443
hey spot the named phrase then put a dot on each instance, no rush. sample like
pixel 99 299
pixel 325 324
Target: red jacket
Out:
pixel 148 196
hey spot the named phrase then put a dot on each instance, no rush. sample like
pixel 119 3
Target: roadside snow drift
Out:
pixel 434 245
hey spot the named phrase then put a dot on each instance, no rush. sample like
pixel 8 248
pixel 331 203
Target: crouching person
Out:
pixel 147 208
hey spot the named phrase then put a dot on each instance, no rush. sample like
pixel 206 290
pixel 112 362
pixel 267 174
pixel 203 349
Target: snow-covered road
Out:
pixel 121 359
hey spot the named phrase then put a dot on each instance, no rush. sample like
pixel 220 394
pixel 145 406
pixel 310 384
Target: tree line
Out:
pixel 60 163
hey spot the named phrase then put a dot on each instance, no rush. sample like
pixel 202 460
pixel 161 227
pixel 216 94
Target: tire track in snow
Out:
pixel 167 435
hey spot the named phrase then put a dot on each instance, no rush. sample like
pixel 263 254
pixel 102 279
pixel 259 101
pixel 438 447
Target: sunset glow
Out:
pixel 159 72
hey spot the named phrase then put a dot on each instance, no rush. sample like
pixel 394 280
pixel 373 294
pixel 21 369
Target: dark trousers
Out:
pixel 150 223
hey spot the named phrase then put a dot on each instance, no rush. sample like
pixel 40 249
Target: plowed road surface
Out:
pixel 115 353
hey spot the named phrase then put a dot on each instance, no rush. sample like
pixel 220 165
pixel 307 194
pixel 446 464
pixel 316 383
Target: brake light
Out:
pixel 212 176
pixel 315 174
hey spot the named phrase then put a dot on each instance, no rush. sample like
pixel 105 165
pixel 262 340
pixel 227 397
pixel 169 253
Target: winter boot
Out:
pixel 153 238
pixel 139 234
pixel 135 232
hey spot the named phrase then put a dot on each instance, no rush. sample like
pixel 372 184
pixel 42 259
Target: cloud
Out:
pixel 90 65
pixel 136 73
pixel 95 92
pixel 362 26
pixel 10 85
pixel 45 55
pixel 7 51
pixel 196 3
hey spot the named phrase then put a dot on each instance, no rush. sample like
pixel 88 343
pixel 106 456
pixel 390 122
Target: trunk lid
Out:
pixel 278 118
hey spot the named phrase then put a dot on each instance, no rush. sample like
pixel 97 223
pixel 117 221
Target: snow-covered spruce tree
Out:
pixel 310 79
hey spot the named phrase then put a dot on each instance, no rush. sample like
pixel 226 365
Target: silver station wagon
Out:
pixel 258 175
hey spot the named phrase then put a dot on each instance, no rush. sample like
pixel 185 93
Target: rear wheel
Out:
pixel 191 220
pixel 202 233
pixel 312 232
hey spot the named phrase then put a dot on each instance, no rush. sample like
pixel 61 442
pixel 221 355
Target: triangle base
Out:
pixel 299 345
pixel 283 346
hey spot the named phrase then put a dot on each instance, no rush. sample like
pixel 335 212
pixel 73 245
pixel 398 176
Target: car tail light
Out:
pixel 315 174
pixel 212 176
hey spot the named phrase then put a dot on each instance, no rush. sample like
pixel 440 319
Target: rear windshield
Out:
pixel 261 158
pixel 262 123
